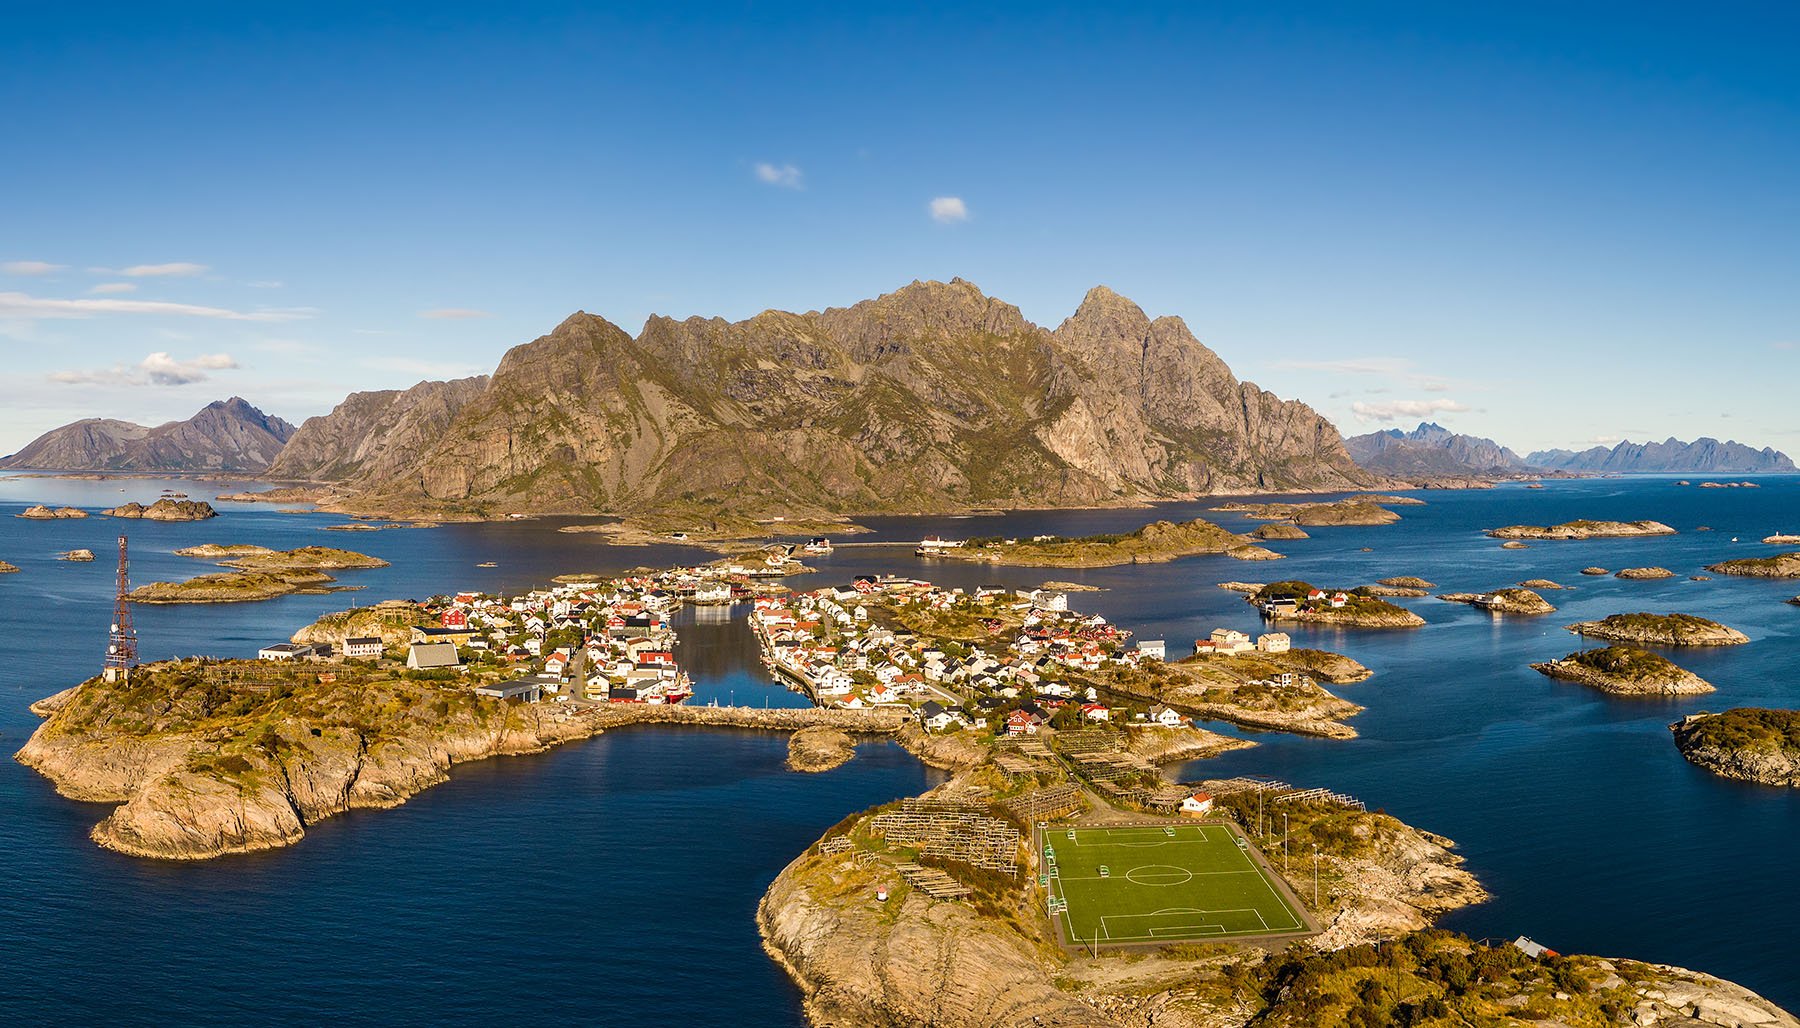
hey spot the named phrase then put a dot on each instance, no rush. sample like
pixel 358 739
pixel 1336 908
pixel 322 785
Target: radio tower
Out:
pixel 121 654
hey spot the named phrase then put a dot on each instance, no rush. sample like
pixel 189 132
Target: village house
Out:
pixel 1274 642
pixel 364 648
pixel 1166 716
pixel 1197 805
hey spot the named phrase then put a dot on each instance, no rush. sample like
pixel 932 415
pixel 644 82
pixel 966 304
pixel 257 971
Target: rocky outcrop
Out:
pixel 372 436
pixel 7 569
pixel 819 749
pixel 1155 543
pixel 1661 629
pixel 934 397
pixel 195 778
pixel 1595 571
pixel 1353 510
pixel 39 512
pixel 1784 565
pixel 165 510
pixel 1749 744
pixel 1583 529
pixel 1504 601
pixel 1626 671
pixel 229 436
pixel 1644 573
pixel 1671 456
pixel 1279 530
pixel 1407 582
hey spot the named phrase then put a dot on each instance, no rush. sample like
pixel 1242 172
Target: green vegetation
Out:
pixel 1431 978
pixel 1162 884
pixel 1782 565
pixel 1747 728
pixel 1665 629
pixel 1155 542
pixel 1626 662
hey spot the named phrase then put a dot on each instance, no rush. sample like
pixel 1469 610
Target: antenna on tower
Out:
pixel 121 651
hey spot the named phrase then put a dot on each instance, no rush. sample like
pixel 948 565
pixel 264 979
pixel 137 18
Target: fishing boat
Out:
pixel 487 564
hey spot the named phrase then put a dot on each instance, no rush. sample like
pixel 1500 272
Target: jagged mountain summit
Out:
pixel 1672 456
pixel 1433 451
pixel 227 436
pixel 372 436
pixel 934 397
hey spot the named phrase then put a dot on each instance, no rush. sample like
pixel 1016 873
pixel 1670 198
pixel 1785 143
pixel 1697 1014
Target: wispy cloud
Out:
pixel 31 267
pixel 948 210
pixel 1349 366
pixel 453 314
pixel 114 288
pixel 19 305
pixel 265 283
pixel 173 269
pixel 1782 346
pixel 787 176
pixel 1394 410
pixel 290 347
pixel 158 369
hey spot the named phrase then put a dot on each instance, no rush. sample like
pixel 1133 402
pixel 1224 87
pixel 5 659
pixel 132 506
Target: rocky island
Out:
pixel 1782 565
pixel 7 569
pixel 1354 510
pixel 819 749
pixel 1644 573
pixel 1583 529
pixel 165 510
pixel 39 512
pixel 1750 744
pixel 260 574
pixel 1300 601
pixel 1661 630
pixel 1157 542
pixel 1626 671
pixel 1504 601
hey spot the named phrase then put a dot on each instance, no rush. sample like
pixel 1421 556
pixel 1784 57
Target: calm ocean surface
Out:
pixel 614 881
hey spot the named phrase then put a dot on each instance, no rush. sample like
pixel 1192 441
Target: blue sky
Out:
pixel 1546 224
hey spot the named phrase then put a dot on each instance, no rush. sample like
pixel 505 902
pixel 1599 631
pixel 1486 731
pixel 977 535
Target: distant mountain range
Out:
pixel 1432 451
pixel 228 436
pixel 1671 456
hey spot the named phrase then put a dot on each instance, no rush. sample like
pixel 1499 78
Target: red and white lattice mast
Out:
pixel 121 652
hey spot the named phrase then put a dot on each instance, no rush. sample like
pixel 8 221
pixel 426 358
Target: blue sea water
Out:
pixel 614 881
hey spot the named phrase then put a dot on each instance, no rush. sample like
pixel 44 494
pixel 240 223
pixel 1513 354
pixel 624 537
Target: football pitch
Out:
pixel 1157 883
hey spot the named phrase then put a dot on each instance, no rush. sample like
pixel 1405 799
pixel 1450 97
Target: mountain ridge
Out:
pixel 1433 451
pixel 933 397
pixel 225 436
pixel 1705 455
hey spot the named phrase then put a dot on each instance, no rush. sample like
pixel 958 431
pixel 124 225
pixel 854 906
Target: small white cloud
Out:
pixel 31 267
pixel 1606 440
pixel 787 176
pixel 157 369
pixel 453 314
pixel 173 269
pixel 265 283
pixel 19 305
pixel 948 210
pixel 1394 410
pixel 114 288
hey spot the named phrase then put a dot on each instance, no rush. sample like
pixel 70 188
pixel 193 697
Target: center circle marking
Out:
pixel 1159 874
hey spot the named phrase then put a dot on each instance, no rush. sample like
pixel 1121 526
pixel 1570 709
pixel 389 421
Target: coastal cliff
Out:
pixel 208 758
pixel 1749 744
pixel 867 949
